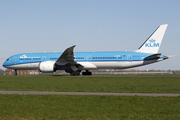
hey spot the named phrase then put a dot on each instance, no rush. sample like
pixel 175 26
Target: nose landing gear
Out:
pixel 15 72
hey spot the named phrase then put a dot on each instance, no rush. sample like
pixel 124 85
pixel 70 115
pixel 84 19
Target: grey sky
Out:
pixel 92 25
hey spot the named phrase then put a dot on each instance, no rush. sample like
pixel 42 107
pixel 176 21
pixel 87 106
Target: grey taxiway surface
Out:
pixel 87 93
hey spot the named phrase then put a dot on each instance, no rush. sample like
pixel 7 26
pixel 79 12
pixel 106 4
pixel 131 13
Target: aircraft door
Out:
pixel 129 58
pixel 14 60
pixel 43 58
pixel 89 58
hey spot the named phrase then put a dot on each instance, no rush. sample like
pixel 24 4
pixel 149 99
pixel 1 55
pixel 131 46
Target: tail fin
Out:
pixel 152 44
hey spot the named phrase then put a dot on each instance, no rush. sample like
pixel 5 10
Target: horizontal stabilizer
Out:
pixel 153 56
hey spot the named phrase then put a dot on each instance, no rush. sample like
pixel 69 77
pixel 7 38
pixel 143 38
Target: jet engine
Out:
pixel 47 66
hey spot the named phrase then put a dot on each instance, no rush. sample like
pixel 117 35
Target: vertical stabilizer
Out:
pixel 153 43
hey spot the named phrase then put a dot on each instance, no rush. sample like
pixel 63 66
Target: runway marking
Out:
pixel 88 93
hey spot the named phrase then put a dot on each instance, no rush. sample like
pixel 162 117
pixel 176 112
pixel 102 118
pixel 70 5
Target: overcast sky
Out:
pixel 92 25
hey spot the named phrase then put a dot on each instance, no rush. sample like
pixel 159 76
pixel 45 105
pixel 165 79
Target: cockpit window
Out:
pixel 7 59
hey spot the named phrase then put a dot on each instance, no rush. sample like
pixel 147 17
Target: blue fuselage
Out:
pixel 132 59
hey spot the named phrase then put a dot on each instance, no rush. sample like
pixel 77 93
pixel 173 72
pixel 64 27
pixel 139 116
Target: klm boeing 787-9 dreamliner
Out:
pixel 74 62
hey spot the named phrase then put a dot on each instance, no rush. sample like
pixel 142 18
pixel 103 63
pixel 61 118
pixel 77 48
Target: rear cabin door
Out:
pixel 129 58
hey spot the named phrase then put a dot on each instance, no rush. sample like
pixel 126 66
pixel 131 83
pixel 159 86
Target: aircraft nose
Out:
pixel 4 64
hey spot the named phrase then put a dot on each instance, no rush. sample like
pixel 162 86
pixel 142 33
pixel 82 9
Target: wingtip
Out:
pixel 72 46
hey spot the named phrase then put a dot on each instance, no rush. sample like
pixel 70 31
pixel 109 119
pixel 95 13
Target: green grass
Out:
pixel 66 107
pixel 92 84
pixel 50 107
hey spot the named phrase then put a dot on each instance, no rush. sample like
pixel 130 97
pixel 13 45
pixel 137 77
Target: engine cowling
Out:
pixel 47 66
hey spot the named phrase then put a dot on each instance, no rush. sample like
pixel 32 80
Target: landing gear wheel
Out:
pixel 15 72
pixel 87 73
pixel 75 73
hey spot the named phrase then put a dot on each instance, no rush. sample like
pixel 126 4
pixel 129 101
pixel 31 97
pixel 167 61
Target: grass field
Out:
pixel 67 107
pixel 92 84
pixel 63 107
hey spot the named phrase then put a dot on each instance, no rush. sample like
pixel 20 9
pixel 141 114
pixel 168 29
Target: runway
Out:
pixel 100 75
pixel 87 93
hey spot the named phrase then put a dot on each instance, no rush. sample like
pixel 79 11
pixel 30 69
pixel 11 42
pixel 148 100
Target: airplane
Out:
pixel 77 62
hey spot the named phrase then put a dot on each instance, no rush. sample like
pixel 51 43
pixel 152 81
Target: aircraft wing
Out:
pixel 67 57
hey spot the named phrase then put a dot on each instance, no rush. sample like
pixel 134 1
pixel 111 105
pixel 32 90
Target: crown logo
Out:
pixel 152 41
pixel 23 56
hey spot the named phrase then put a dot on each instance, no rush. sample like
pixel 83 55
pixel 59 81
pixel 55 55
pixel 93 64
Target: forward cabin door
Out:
pixel 14 60
pixel 43 58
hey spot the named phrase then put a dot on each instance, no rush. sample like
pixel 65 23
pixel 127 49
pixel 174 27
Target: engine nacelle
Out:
pixel 47 66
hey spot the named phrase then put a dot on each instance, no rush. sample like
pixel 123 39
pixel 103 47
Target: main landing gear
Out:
pixel 75 73
pixel 87 73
